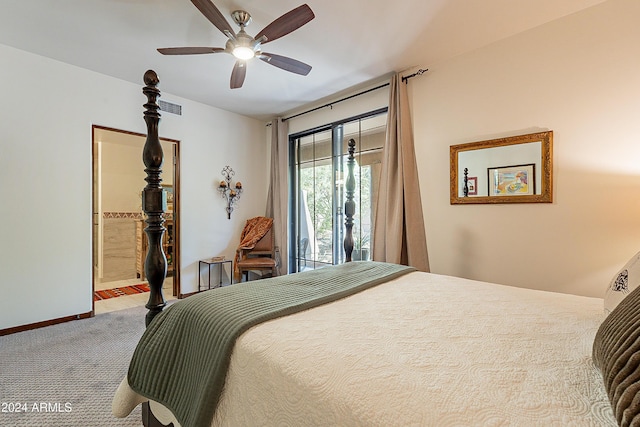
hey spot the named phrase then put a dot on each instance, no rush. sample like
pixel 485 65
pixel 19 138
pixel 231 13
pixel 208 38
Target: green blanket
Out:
pixel 182 359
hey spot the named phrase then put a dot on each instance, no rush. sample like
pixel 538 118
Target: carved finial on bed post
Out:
pixel 153 200
pixel 465 189
pixel 349 204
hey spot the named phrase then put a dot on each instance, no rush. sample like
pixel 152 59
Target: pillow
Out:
pixel 625 281
pixel 616 352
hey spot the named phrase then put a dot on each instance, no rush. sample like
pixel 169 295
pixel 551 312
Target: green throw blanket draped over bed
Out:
pixel 182 359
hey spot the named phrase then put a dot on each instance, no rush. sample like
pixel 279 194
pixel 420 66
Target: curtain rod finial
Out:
pixel 420 72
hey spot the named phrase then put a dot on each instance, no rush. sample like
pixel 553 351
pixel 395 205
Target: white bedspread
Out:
pixel 422 350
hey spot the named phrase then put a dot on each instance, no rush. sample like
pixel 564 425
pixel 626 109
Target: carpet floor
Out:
pixel 66 374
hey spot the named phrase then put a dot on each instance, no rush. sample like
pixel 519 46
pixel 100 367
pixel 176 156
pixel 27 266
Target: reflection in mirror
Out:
pixel 494 159
pixel 506 170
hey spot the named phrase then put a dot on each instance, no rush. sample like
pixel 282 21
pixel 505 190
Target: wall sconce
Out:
pixel 231 193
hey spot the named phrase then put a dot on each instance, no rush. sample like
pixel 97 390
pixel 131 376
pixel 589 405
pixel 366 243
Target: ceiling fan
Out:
pixel 243 46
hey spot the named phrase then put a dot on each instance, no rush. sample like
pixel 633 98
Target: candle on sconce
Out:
pixel 229 191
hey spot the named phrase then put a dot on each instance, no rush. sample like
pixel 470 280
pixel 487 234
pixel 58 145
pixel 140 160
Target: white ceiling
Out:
pixel 349 43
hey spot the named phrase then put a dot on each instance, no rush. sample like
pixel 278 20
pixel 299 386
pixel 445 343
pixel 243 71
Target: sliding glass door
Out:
pixel 318 167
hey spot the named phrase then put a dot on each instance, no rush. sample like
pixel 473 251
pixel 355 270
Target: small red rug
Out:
pixel 120 292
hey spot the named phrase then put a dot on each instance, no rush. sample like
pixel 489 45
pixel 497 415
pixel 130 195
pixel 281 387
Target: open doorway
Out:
pixel 119 240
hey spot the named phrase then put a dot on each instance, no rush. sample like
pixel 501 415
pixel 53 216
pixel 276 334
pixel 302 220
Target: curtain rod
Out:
pixel 330 104
pixel 417 73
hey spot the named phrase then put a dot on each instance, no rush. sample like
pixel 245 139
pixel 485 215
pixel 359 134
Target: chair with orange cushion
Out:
pixel 261 257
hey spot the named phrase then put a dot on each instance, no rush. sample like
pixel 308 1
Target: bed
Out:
pixel 376 344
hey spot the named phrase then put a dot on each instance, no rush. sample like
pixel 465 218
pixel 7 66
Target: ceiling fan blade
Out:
pixel 189 50
pixel 238 74
pixel 211 12
pixel 287 23
pixel 285 63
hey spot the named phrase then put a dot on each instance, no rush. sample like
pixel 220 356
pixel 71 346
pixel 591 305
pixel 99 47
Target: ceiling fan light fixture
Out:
pixel 245 47
pixel 243 52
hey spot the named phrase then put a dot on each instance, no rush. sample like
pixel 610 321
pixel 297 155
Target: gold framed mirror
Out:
pixel 516 169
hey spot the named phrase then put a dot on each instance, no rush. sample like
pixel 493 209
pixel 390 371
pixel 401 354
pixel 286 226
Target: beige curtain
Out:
pixel 399 234
pixel 278 200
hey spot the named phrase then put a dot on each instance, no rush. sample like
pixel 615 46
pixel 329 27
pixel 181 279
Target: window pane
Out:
pixel 315 147
pixel 320 177
pixel 315 221
pixel 369 134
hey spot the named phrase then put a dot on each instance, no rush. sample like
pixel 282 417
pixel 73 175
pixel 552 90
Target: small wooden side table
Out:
pixel 209 262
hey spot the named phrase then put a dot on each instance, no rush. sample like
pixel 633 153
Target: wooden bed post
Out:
pixel 349 204
pixel 465 189
pixel 154 200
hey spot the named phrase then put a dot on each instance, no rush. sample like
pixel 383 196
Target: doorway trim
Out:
pixel 176 205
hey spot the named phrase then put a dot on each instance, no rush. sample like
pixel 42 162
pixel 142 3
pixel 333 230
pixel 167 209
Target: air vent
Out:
pixel 170 107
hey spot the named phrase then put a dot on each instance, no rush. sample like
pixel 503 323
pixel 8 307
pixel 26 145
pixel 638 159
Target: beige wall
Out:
pixel 45 170
pixel 577 76
pixel 122 177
